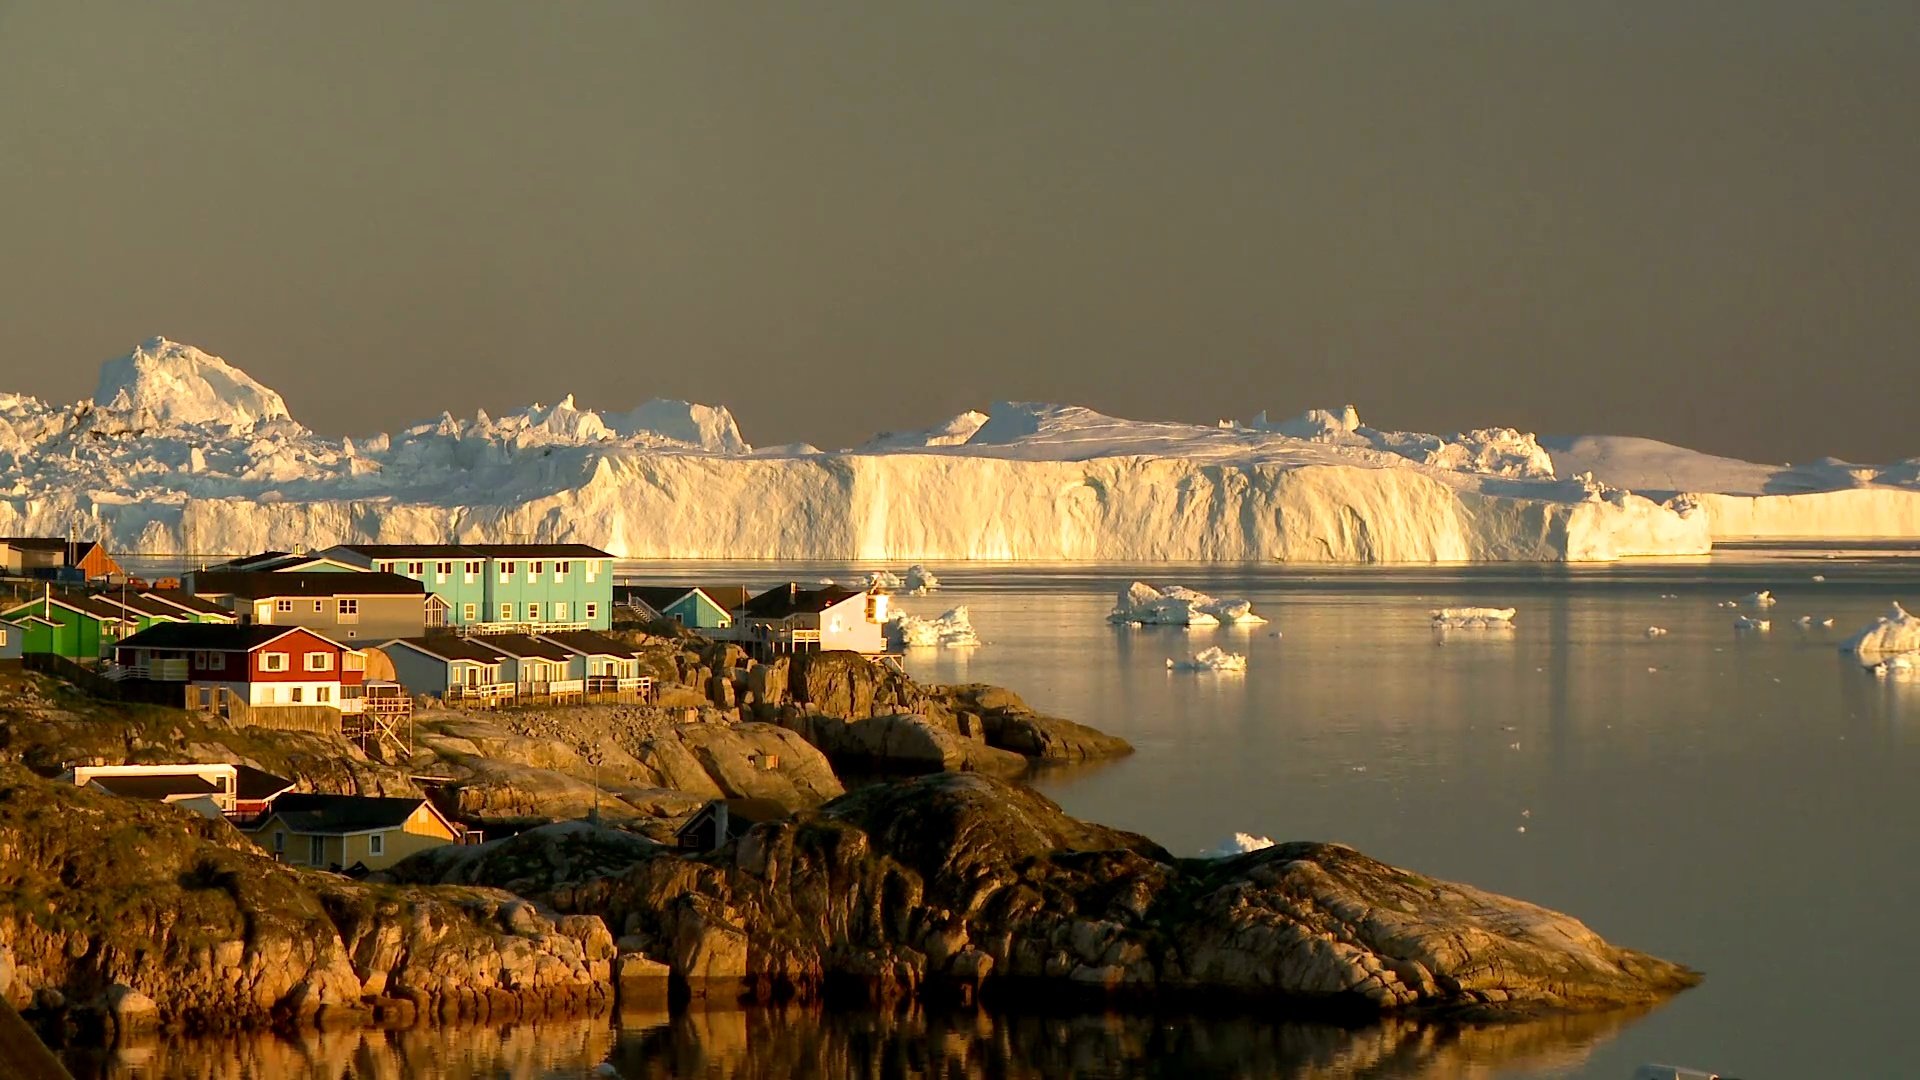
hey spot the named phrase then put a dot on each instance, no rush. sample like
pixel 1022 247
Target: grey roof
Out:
pixel 306 813
pixel 791 599
pixel 157 786
pixel 454 647
pixel 181 598
pixel 211 637
pixel 266 584
pixel 524 645
pixel 80 602
pixel 258 784
pixel 657 597
pixel 260 561
pixel 477 551
pixel 140 602
pixel 588 643
pixel 540 551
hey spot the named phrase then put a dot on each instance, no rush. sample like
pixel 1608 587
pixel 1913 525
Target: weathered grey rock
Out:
pixel 761 761
pixel 909 743
pixel 131 1010
pixel 968 877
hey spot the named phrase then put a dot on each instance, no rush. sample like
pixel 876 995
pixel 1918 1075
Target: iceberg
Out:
pixel 1473 618
pixel 1761 599
pixel 1140 604
pixel 1904 667
pixel 920 580
pixel 1238 844
pixel 1745 623
pixel 1210 659
pixel 952 630
pixel 1892 633
pixel 181 451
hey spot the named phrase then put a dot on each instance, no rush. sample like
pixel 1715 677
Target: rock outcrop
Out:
pixel 119 911
pixel 960 883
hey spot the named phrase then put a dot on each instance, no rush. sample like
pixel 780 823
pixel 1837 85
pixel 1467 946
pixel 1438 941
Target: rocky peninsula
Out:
pixel 955 886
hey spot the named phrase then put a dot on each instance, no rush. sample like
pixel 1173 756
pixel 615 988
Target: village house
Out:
pixel 343 606
pixel 538 668
pixel 456 668
pixel 13 642
pixel 606 666
pixel 791 619
pixel 260 666
pixel 344 832
pixel 71 625
pixel 52 557
pixel 208 789
pixel 700 607
pixel 277 561
pixel 501 586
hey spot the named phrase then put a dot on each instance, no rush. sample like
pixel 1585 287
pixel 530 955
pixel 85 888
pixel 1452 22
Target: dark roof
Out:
pixel 145 605
pixel 212 637
pixel 477 551
pixel 264 584
pixel 252 562
pixel 588 643
pixel 540 551
pixel 304 813
pixel 151 786
pixel 729 597
pixel 657 597
pixel 791 599
pixel 526 645
pixel 414 551
pixel 453 647
pixel 258 784
pixel 181 598
pixel 79 602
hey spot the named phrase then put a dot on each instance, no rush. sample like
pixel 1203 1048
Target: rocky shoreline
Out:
pixel 122 916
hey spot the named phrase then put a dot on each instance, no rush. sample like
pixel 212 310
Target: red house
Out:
pixel 263 666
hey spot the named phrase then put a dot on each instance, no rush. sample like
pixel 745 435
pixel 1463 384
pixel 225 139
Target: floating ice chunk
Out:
pixel 1761 599
pixel 1804 622
pixel 1238 844
pixel 1819 577
pixel 884 579
pixel 1758 626
pixel 1140 604
pixel 1656 631
pixel 1728 604
pixel 1827 622
pixel 920 580
pixel 1210 659
pixel 1480 618
pixel 952 630
pixel 1904 667
pixel 1894 632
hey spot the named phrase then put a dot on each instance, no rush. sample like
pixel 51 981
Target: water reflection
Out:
pixel 764 1044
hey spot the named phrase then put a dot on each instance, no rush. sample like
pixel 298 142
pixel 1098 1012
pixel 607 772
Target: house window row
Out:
pixel 561 612
pixel 210 661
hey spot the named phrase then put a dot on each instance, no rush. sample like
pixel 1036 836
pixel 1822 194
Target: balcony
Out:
pixel 482 693
pixel 640 686
pixel 480 629
pixel 151 671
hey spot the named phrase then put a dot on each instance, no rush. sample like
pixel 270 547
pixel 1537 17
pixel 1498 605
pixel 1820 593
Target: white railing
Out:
pixel 480 691
pixel 152 671
pixel 554 686
pixel 481 629
pixel 620 684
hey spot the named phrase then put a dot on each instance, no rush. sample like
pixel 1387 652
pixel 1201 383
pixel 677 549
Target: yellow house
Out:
pixel 339 832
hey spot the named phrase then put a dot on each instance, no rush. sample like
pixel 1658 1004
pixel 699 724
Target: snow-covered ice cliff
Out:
pixel 180 451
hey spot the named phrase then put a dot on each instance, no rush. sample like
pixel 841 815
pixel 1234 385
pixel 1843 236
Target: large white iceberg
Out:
pixel 1140 604
pixel 180 451
pixel 952 630
pixel 1238 844
pixel 1895 632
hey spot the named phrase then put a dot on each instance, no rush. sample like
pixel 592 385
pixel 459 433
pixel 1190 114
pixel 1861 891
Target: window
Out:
pixel 376 845
pixel 319 606
pixel 469 612
pixel 384 567
pixel 353 661
pixel 217 661
pixel 416 569
pixel 473 572
pixel 533 612
pixel 316 850
pixel 593 569
pixel 199 658
pixel 593 611
pixel 273 661
pixel 533 570
pixel 349 610
pixel 283 605
pixel 506 571
pixel 506 612
pixel 297 695
pixel 206 697
pixel 323 693
pixel 559 611
pixel 560 571
pixel 319 661
pixel 441 571
pixel 279 843
pixel 3 636
pixel 873 608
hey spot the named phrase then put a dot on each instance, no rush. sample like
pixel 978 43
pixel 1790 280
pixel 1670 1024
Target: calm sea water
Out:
pixel 1743 803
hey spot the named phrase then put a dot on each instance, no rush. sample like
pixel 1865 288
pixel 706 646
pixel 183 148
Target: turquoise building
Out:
pixel 527 584
pixel 699 607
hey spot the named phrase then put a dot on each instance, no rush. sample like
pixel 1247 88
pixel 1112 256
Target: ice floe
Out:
pixel 1140 604
pixel 1894 632
pixel 952 630
pixel 1473 618
pixel 1210 659
pixel 1238 844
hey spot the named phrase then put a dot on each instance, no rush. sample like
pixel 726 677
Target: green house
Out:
pixel 69 625
pixel 699 607
pixel 501 584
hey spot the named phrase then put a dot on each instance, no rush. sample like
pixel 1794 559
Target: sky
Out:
pixel 1690 221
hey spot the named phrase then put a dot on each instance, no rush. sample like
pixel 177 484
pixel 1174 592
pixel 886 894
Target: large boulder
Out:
pixel 909 743
pixel 761 761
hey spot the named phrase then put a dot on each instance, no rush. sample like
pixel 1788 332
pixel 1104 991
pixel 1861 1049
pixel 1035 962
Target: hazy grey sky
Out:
pixel 1689 220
